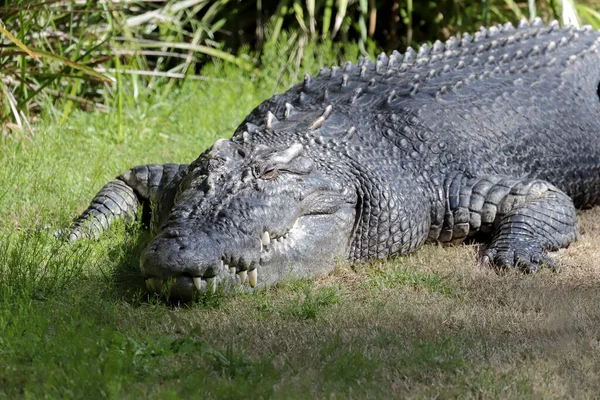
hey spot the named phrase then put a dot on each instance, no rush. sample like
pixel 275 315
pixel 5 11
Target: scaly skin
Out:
pixel 494 137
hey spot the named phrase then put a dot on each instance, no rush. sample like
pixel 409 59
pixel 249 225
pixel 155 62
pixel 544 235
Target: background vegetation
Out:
pixel 58 55
pixel 125 83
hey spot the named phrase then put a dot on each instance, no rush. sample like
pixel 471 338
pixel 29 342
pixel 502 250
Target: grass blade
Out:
pixel 66 61
pixel 18 42
pixel 589 15
pixel 10 99
pixel 210 51
pixel 327 18
pixel 362 25
pixel 339 16
pixel 372 18
pixel 569 14
pixel 532 10
pixel 299 15
pixel 310 7
pixel 514 7
pixel 409 21
pixel 280 13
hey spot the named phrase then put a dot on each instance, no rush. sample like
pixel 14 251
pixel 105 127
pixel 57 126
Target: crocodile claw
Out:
pixel 525 256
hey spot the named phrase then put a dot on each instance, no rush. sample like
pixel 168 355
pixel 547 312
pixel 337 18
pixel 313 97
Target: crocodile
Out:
pixel 490 137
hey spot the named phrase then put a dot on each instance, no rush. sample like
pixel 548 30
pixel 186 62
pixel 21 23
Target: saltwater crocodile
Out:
pixel 492 136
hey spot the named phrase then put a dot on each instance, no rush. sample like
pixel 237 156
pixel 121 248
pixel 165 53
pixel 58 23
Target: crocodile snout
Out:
pixel 182 261
pixel 200 261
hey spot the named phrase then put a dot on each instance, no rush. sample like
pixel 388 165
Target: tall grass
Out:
pixel 61 54
pixel 35 265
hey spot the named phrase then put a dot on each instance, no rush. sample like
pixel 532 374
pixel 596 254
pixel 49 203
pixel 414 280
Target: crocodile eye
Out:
pixel 270 174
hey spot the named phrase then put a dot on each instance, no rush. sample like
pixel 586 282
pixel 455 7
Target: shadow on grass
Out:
pixel 124 250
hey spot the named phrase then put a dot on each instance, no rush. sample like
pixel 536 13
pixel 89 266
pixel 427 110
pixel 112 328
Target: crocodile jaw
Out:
pixel 312 247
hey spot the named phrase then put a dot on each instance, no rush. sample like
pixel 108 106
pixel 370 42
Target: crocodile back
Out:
pixel 514 101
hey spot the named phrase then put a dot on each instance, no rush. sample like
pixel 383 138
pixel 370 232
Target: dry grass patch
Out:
pixel 435 323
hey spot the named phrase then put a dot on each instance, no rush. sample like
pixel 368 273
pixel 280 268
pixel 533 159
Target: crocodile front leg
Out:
pixel 544 221
pixel 121 198
pixel 526 218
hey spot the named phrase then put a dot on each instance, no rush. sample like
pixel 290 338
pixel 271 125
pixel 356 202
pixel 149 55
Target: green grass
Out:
pixel 75 321
pixel 397 274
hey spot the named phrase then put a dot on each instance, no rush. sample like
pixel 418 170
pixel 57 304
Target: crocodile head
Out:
pixel 250 216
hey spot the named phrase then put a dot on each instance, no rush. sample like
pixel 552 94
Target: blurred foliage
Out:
pixel 61 54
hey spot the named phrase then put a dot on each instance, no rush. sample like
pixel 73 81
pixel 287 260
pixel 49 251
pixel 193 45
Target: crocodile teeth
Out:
pixel 296 222
pixel 270 120
pixel 345 80
pixel 243 275
pixel 251 128
pixel 265 238
pixel 211 283
pixel 197 282
pixel 350 132
pixel 253 277
pixel 317 123
pixel 289 110
pixel 231 270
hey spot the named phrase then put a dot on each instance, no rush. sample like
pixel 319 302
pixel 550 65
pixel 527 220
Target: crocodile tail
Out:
pixel 121 199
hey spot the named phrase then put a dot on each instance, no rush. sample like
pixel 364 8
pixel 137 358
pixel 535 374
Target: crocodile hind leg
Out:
pixel 122 197
pixel 526 218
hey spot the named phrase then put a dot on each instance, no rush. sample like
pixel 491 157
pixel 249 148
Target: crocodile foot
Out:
pixel 524 255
